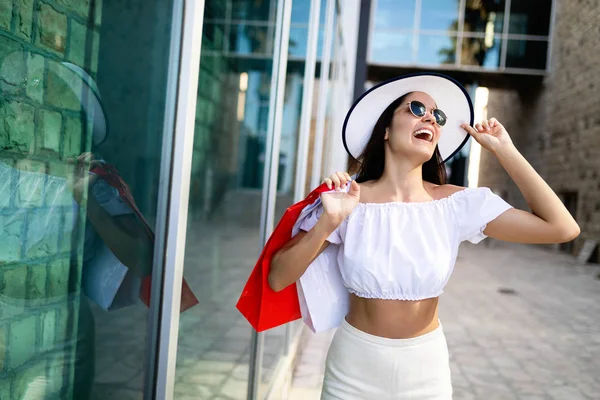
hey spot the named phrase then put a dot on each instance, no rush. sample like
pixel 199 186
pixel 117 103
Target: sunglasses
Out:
pixel 419 110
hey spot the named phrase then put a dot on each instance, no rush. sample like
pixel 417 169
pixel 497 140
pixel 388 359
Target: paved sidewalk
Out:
pixel 521 323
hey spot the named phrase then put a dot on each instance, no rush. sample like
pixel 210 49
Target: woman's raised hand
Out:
pixel 338 205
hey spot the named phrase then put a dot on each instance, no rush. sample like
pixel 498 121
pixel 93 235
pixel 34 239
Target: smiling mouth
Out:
pixel 424 134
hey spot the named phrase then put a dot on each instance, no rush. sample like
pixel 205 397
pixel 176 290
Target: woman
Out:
pixel 398 229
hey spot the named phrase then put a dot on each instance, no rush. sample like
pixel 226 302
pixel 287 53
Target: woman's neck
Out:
pixel 402 182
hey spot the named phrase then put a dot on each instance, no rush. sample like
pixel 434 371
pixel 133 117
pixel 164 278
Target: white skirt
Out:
pixel 363 366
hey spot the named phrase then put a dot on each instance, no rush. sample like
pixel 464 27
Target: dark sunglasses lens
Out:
pixel 417 108
pixel 440 117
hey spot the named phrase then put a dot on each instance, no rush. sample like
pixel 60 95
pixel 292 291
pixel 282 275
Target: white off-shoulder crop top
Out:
pixel 407 251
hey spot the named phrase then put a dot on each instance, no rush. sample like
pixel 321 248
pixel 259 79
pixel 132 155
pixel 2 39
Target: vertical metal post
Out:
pixel 178 137
pixel 323 95
pixel 280 58
pixel 505 35
pixel 460 31
pixel 307 99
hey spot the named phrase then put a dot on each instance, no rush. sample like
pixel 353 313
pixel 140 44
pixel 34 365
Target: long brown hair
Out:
pixel 372 159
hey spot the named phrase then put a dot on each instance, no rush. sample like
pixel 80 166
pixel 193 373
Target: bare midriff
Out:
pixel 394 319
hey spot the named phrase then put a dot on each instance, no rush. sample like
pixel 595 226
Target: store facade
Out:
pixel 217 115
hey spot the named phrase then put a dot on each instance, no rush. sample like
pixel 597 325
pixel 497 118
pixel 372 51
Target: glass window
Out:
pixel 255 10
pixel 298 42
pixel 439 15
pixel 526 54
pixel 226 183
pixel 481 51
pixel 82 103
pixel 436 49
pixel 391 47
pixel 529 17
pixel 301 11
pixel 484 16
pixel 250 39
pixel 395 14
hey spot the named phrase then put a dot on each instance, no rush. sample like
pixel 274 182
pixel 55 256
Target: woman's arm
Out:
pixel 289 263
pixel 550 221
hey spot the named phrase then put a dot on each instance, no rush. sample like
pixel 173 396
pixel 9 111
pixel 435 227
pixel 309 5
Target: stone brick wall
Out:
pixel 41 126
pixel 556 124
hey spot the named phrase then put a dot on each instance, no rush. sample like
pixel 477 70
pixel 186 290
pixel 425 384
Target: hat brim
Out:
pixel 449 95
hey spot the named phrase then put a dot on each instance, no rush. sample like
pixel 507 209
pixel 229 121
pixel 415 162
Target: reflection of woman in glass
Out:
pixel 397 231
pixel 49 352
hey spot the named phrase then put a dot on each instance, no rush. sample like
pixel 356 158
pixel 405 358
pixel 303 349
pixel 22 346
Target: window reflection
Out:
pixel 439 15
pixel 485 16
pixel 391 47
pixel 301 11
pixel 481 51
pixel 247 39
pixel 298 42
pixel 437 49
pixel 395 14
pixel 255 10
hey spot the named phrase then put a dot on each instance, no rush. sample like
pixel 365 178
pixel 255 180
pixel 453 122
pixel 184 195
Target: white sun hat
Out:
pixel 449 95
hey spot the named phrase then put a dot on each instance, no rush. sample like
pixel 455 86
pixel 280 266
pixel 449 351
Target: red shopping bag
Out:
pixel 262 306
pixel 110 174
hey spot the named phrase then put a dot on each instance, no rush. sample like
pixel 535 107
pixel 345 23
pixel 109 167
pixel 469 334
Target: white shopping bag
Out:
pixel 324 300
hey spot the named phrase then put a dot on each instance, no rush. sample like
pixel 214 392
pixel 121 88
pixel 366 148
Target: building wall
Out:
pixel 555 123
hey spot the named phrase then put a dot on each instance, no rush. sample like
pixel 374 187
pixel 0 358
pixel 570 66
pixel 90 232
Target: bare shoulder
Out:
pixel 442 191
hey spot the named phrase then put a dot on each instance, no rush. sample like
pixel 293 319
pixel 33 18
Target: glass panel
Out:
pixel 255 10
pixel 87 93
pixel 215 10
pixel 529 17
pixel 223 241
pixel 301 11
pixel 249 39
pixel 395 14
pixel 439 15
pixel 482 51
pixel 526 54
pixel 215 33
pixel 391 47
pixel 484 16
pixel 436 49
pixel 298 42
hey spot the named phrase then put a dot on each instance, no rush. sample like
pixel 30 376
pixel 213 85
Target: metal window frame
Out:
pixel 178 137
pixel 307 100
pixel 277 92
pixel 323 95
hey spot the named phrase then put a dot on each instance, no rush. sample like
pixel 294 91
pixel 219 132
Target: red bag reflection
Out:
pixel 110 174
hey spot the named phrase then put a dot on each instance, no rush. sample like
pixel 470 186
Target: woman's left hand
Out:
pixel 490 134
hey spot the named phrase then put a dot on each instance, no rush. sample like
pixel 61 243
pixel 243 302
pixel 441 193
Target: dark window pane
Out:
pixel 530 17
pixel 481 51
pixel 439 15
pixel 436 49
pixel 391 47
pixel 213 35
pixel 526 54
pixel 484 16
pixel 395 14
pixel 215 10
pixel 252 10
pixel 248 39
